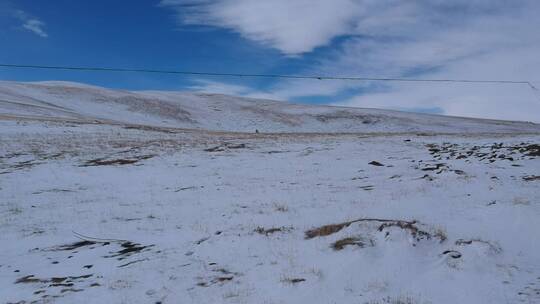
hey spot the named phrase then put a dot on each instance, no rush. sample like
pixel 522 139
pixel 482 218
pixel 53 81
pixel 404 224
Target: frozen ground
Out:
pixel 124 197
pixel 97 213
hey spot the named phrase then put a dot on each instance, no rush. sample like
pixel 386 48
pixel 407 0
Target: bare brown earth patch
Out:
pixel 531 178
pixel 118 161
pixel 293 280
pixel 225 147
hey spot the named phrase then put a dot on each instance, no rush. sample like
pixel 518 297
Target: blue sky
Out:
pixel 106 33
pixel 473 39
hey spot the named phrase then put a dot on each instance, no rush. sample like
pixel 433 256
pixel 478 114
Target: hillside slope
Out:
pixel 64 100
pixel 112 212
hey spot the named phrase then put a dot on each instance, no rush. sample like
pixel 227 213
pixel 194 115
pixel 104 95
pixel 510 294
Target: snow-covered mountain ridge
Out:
pixel 73 101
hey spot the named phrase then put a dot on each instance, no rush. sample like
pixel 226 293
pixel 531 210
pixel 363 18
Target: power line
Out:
pixel 240 75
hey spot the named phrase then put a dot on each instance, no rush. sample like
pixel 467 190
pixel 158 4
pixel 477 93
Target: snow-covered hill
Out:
pixel 63 100
pixel 96 206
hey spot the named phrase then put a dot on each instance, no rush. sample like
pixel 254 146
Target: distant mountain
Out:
pixel 74 101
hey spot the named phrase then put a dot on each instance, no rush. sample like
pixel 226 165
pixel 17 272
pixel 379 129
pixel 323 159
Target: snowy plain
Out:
pixel 106 209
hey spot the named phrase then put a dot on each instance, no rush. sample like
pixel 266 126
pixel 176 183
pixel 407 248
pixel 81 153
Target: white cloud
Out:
pixel 459 39
pixel 299 26
pixel 293 27
pixel 501 43
pixel 35 26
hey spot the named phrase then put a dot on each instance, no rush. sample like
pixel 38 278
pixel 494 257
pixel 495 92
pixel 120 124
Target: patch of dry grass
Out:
pixel 293 280
pixel 410 226
pixel 262 230
pixel 348 241
pixel 281 207
pixel 326 230
pixel 395 300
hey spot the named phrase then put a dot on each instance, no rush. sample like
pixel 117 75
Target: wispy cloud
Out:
pixel 207 86
pixel 30 23
pixel 35 26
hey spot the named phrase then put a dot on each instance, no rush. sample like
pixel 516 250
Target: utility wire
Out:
pixel 102 69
